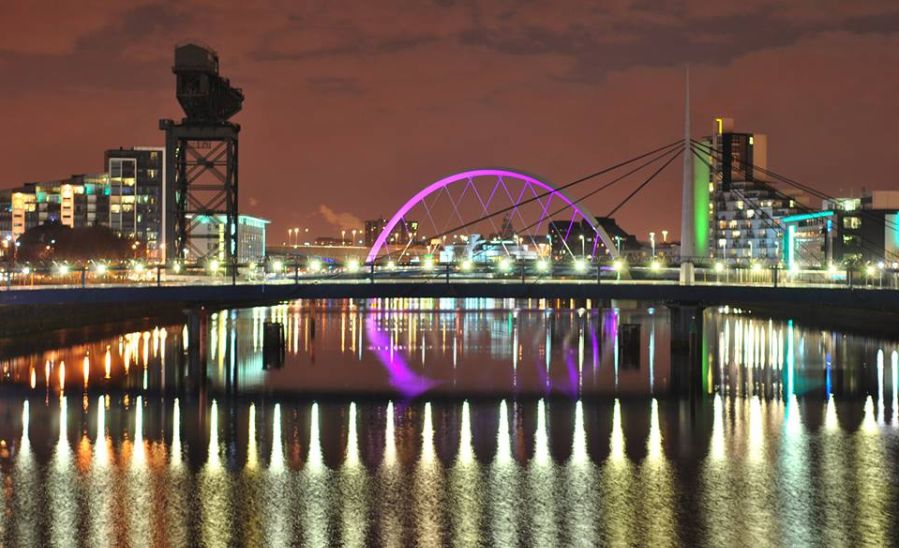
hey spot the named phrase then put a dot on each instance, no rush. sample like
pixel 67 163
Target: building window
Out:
pixel 852 222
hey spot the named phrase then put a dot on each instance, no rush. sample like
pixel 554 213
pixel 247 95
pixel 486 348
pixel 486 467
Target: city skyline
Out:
pixel 359 99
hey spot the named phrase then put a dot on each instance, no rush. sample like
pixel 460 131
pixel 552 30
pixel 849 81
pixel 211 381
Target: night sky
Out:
pixel 353 106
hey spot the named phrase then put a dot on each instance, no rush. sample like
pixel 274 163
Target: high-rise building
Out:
pixel 737 206
pixel 137 201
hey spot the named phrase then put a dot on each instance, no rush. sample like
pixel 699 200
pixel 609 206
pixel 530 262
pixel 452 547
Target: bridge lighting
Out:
pixel 176 267
pixel 467 265
pixel 428 263
pixel 580 265
pixel 542 265
pixel 277 266
pixel 756 267
pixel 719 266
pixel 100 269
pixel 314 265
pixel 617 265
pixel 505 264
pixel 655 266
pixel 138 267
pixel 391 265
pixel 352 265
pixel 869 270
pixel 832 270
pixel 26 270
pixel 213 266
pixel 63 269
pixel 794 269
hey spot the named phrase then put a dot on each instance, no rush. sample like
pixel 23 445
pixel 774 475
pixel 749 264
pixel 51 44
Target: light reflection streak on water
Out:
pixel 503 503
pixel 541 480
pixel 894 364
pixel 100 482
pixel 62 484
pixel 880 381
pixel 465 496
pixel 137 487
pixel 215 490
pixel 427 487
pixel 353 487
pixel 873 525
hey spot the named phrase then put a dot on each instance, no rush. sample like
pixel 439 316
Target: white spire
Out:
pixel 688 235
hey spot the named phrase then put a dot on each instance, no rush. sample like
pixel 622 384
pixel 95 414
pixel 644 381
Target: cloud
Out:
pixel 340 220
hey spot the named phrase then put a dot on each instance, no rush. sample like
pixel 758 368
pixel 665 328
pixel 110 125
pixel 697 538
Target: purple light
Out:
pixel 468 176
pixel 402 377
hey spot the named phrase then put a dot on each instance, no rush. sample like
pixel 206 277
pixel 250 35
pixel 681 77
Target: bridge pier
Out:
pixel 197 323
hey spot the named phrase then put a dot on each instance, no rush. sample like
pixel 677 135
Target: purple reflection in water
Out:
pixel 571 389
pixel 409 383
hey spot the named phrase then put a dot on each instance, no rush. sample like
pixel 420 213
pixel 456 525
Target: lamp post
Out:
pixel 583 251
pixel 665 236
pixel 652 243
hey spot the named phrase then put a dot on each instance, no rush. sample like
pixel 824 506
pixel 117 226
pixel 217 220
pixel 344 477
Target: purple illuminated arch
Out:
pixel 466 176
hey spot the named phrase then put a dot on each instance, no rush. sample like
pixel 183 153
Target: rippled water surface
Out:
pixel 451 422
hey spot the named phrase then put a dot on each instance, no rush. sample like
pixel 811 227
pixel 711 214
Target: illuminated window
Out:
pixel 739 204
pixel 852 222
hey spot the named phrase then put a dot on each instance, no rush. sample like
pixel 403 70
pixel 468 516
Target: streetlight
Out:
pixel 655 265
pixel 314 265
pixel 652 242
pixel 665 236
pixel 467 265
pixel 428 263
pixel 352 265
pixel 583 252
pixel 580 265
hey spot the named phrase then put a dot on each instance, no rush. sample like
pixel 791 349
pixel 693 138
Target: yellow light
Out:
pixel 352 265
pixel 655 266
pixel 832 269
pixel 794 269
pixel 617 265
pixel 176 267
pixel 138 267
pixel 719 267
pixel 505 264
pixel 314 265
pixel 756 267
pixel 214 265
pixel 26 271
pixel 542 265
pixel 580 265
pixel 277 266
pixel 101 268
pixel 428 263
pixel 869 270
pixel 467 265
pixel 63 269
pixel 391 265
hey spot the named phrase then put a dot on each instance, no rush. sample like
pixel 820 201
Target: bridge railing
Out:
pixel 653 272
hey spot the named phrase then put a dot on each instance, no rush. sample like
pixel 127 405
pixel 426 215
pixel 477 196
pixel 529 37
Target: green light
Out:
pixel 701 178
pixel 580 265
